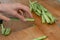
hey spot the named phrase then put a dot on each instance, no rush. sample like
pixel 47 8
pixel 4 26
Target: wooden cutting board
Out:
pixel 52 31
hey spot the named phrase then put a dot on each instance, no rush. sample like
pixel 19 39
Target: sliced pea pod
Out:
pixel 7 32
pixel 3 29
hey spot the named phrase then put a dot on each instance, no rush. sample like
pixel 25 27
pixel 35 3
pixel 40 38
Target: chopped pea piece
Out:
pixel 41 38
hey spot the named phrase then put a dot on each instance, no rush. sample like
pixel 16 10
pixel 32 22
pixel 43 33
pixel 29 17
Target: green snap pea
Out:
pixel 51 17
pixel 3 29
pixel 16 19
pixel 7 32
pixel 46 17
pixel 37 13
pixel 29 19
pixel 43 12
pixel 43 19
pixel 41 38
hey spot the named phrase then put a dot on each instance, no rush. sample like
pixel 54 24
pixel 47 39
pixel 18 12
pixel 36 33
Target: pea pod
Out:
pixel 43 19
pixel 34 8
pixel 43 12
pixel 42 8
pixel 7 32
pixel 37 13
pixel 3 29
pixel 31 5
pixel 41 38
pixel 16 19
pixel 51 17
pixel 46 17
pixel 29 19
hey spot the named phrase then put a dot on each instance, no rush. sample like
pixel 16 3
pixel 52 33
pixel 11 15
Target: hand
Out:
pixel 11 9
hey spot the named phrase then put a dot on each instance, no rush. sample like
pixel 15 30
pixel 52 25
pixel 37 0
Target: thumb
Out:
pixel 2 17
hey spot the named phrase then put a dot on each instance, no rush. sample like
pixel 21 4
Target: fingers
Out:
pixel 29 15
pixel 23 13
pixel 28 12
pixel 2 17
pixel 20 12
pixel 26 9
pixel 14 13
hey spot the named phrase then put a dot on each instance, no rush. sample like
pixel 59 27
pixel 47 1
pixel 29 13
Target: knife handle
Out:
pixel 1 21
